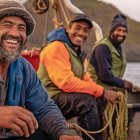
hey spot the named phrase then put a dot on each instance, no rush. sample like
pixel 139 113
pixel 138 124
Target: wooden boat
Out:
pixel 134 115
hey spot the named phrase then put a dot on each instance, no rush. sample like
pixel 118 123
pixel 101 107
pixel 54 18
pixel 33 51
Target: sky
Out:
pixel 130 8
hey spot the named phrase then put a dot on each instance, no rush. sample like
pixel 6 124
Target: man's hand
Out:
pixel 128 85
pixel 66 137
pixel 19 120
pixel 111 95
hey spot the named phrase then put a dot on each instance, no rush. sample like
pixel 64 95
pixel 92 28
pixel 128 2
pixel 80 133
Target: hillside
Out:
pixel 102 14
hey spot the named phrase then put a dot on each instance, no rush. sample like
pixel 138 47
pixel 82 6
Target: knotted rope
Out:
pixel 40 6
pixel 119 132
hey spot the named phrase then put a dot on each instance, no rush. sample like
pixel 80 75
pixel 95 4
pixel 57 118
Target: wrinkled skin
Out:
pixel 12 38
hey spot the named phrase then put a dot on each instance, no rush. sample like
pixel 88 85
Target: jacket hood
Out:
pixel 59 35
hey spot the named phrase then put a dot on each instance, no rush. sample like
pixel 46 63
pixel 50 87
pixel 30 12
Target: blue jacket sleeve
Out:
pixel 102 61
pixel 47 113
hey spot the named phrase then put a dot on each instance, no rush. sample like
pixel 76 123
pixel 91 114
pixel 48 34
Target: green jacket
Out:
pixel 118 63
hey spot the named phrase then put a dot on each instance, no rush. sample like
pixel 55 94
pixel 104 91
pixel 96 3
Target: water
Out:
pixel 132 72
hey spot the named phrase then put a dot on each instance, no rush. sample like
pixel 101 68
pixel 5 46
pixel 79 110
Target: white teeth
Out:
pixel 79 38
pixel 12 41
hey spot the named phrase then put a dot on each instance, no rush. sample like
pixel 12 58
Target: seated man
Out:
pixel 26 112
pixel 64 75
pixel 108 57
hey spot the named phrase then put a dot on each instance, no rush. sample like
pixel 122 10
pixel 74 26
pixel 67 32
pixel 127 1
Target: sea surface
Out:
pixel 132 72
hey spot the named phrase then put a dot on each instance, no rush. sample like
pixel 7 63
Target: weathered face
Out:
pixel 12 33
pixel 119 35
pixel 12 37
pixel 78 32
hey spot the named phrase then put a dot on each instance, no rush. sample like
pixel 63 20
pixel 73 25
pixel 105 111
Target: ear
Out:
pixel 68 27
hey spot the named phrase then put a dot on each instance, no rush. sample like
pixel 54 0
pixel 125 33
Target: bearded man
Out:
pixel 108 62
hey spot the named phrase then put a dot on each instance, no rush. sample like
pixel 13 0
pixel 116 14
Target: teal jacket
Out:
pixel 26 90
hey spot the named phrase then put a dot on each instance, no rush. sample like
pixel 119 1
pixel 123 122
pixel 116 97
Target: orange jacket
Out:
pixel 56 59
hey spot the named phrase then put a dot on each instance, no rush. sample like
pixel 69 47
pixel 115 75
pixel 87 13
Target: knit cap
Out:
pixel 81 17
pixel 118 21
pixel 14 8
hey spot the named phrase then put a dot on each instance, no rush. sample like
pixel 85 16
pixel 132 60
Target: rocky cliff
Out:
pixel 101 13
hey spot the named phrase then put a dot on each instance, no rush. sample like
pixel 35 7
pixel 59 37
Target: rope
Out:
pixel 58 7
pixel 40 6
pixel 64 11
pixel 57 14
pixel 119 132
pixel 58 23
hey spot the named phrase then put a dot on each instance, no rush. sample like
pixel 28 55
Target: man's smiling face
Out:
pixel 78 32
pixel 12 35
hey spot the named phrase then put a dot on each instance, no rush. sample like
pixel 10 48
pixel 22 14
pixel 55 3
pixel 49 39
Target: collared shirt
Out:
pixel 3 89
pixel 4 133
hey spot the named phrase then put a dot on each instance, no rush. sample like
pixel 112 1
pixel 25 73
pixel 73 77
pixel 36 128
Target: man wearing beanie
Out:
pixel 108 62
pixel 26 111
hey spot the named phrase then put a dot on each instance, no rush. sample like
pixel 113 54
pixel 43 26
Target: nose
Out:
pixel 14 32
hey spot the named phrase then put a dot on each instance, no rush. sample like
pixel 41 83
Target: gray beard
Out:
pixel 8 56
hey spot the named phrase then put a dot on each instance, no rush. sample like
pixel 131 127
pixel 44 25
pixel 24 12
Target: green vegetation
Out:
pixel 102 14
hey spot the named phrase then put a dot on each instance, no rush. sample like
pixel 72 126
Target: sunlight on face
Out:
pixel 78 32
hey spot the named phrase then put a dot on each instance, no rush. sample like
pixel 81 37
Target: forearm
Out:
pixel 54 124
pixel 112 80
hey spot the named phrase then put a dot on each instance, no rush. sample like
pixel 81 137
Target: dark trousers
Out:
pixel 38 135
pixel 85 107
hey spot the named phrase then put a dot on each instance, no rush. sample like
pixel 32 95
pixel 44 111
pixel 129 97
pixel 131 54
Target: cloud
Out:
pixel 130 8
